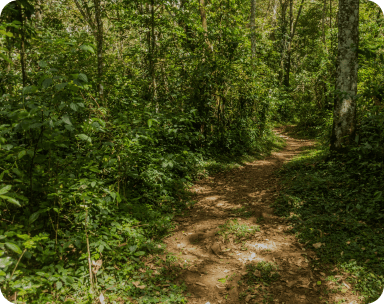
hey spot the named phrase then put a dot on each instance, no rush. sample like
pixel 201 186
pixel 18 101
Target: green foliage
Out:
pixel 117 166
pixel 240 231
pixel 337 202
pixel 262 272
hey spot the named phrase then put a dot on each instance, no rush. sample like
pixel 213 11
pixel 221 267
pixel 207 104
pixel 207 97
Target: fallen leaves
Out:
pixel 318 245
pixel 216 248
pixel 101 299
pixel 137 285
pixel 96 266
pixel 290 284
pixel 248 298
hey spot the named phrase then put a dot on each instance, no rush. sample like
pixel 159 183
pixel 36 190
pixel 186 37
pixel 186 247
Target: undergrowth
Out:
pixel 118 194
pixel 336 207
pixel 240 231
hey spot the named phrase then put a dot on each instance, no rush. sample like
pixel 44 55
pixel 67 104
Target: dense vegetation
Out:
pixel 109 110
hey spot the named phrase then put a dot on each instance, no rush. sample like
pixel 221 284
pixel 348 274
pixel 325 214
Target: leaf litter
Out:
pixel 215 197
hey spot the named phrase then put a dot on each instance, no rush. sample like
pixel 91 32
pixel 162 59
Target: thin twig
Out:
pixel 89 253
pixel 17 264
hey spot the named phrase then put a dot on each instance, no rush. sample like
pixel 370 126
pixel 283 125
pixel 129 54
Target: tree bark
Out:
pixel 204 22
pixel 292 26
pixel 99 40
pixel 153 44
pixel 283 6
pixel 323 20
pixel 344 114
pixel 22 50
pixel 253 25
pixel 96 25
pixel 38 14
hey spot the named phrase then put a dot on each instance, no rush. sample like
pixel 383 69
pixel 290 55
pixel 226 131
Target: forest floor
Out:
pixel 235 250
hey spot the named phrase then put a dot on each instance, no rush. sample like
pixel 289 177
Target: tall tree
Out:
pixel 292 31
pixel 203 17
pixel 344 114
pixel 95 22
pixel 253 25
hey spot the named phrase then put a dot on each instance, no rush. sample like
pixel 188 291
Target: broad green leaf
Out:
pixel 4 262
pixel 74 106
pixel 84 137
pixel 2 175
pixel 5 58
pixel 47 82
pixel 13 247
pixel 5 33
pixel 5 189
pixel 149 122
pixel 1 252
pixel 11 200
pixel 87 48
pixel 59 285
pixel 66 119
pixel 83 77
pixel 29 89
pixel 21 154
pixel 69 280
pixel 78 82
pixel 60 86
pixel 7 147
pixel 69 128
pixel 43 64
pixel 2 273
pixel 17 171
pixel 34 217
pixel 24 236
pixel 139 253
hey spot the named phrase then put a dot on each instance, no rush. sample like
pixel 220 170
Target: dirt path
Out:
pixel 231 235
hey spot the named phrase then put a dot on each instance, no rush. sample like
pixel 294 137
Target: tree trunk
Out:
pixel 283 6
pixel 344 114
pixel 323 20
pixel 292 27
pixel 121 44
pixel 274 11
pixel 22 50
pixel 204 22
pixel 253 24
pixel 39 17
pixel 99 41
pixel 288 60
pixel 96 25
pixel 153 44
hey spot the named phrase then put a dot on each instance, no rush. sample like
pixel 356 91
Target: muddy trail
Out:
pixel 235 250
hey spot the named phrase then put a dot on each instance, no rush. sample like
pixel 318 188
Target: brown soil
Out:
pixel 209 258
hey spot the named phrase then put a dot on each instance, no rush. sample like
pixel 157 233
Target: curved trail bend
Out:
pixel 214 265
